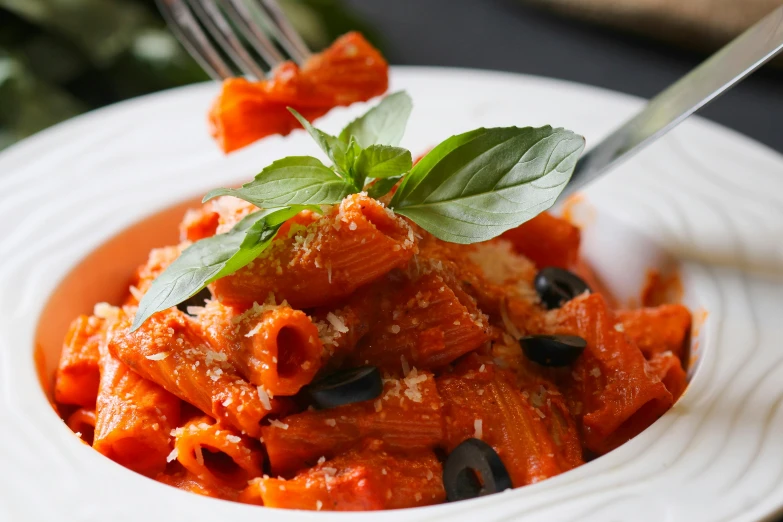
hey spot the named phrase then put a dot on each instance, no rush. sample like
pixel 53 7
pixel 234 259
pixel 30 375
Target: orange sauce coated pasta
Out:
pixel 276 347
pixel 546 240
pixel 659 329
pixel 134 417
pixel 217 455
pixel 363 479
pixel 668 368
pixel 169 350
pixel 219 401
pixel 82 422
pixel 610 389
pixel 350 70
pixel 356 243
pixel 429 321
pixel 483 401
pixel 407 416
pixel 187 481
pixel 78 375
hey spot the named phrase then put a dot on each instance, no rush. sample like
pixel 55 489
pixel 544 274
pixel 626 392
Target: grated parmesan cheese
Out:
pixel 215 356
pixel 136 293
pixel 620 327
pixel 277 424
pixel 106 311
pixel 264 397
pixel 478 429
pixel 157 356
pixel 412 382
pixel 233 438
pixel 254 331
pixel 194 310
pixel 336 322
pixel 499 263
pixel 172 456
pixel 199 455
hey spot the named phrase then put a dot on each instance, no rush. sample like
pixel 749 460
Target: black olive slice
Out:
pixel 472 470
pixel 556 286
pixel 199 299
pixel 553 350
pixel 346 387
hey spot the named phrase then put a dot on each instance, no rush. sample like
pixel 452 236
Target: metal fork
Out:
pixel 234 37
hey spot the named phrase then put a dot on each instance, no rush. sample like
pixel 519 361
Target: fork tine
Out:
pixel 223 33
pixel 187 30
pixel 242 18
pixel 284 32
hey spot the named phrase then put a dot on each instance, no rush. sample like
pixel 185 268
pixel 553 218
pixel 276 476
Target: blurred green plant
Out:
pixel 60 58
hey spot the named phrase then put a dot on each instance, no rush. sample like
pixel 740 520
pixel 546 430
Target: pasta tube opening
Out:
pixel 82 423
pixel 293 350
pixel 216 454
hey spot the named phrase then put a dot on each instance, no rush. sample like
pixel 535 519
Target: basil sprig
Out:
pixel 302 180
pixel 472 187
pixel 476 185
pixel 211 258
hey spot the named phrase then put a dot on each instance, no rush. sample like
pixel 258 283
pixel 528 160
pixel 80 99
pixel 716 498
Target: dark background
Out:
pixel 60 59
pixel 509 36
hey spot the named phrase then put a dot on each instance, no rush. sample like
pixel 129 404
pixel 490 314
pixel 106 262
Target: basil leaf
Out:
pixel 351 155
pixel 334 148
pixel 384 124
pixel 301 180
pixel 383 161
pixel 210 259
pixel 382 187
pixel 475 186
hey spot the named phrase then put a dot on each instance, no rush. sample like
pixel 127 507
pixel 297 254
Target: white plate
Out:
pixel 710 198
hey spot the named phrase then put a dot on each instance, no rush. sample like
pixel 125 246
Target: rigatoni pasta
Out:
pixel 133 417
pixel 78 374
pixel 355 243
pixel 217 455
pixel 430 321
pixel 406 416
pixel 365 478
pixel 170 351
pixel 352 363
pixel 610 388
pixel 275 347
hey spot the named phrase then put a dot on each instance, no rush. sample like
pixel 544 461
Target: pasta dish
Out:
pixel 374 334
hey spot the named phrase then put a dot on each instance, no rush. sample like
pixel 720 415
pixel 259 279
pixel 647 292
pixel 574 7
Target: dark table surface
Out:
pixel 510 36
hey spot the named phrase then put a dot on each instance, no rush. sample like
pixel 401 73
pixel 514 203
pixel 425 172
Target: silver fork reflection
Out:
pixel 234 37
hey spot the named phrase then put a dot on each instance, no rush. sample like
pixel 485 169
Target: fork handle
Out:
pixel 713 77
